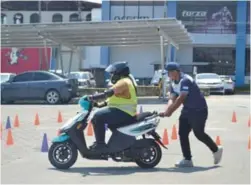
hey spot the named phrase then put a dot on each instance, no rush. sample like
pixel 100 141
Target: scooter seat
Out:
pixel 140 117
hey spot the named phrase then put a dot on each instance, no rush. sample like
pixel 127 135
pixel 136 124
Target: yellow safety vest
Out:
pixel 126 105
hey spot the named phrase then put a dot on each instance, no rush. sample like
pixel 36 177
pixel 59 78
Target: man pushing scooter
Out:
pixel 193 116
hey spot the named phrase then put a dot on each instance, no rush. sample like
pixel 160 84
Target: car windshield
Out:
pixel 60 75
pixel 207 76
pixel 79 75
pixel 4 77
pixel 225 77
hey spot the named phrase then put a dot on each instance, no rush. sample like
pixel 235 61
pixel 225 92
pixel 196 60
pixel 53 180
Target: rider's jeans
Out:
pixel 194 121
pixel 111 117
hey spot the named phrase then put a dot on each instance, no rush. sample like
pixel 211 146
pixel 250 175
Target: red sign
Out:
pixel 18 60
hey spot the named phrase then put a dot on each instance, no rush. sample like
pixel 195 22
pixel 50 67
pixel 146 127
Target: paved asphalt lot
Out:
pixel 24 163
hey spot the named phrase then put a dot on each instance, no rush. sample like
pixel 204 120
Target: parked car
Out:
pixel 211 81
pixel 229 85
pixel 85 79
pixel 38 85
pixel 6 76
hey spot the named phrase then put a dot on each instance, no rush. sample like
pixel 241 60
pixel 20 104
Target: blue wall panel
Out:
pixel 240 43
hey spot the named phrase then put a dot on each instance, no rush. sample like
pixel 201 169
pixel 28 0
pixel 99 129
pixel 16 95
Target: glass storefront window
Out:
pixel 217 60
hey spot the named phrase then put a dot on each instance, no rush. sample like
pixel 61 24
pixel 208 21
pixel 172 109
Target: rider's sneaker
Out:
pixel 99 147
pixel 184 163
pixel 218 155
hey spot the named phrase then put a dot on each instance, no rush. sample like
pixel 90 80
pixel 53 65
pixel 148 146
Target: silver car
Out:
pixel 85 79
pixel 210 81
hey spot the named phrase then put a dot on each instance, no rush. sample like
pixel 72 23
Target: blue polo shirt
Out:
pixel 195 100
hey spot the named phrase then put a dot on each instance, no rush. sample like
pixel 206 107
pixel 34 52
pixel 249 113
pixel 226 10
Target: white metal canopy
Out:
pixel 105 33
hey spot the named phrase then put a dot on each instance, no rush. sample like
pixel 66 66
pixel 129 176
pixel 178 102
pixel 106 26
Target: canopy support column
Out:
pixel 61 59
pixel 46 55
pixel 162 59
pixel 70 62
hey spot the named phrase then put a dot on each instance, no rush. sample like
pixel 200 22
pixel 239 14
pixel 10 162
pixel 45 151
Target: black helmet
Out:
pixel 118 70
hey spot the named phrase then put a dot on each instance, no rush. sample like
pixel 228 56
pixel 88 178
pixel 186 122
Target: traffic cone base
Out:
pixel 174 133
pixel 165 138
pixel 45 147
pixel 234 119
pixel 16 121
pixel 218 142
pixel 9 140
pixel 8 125
pixel 60 119
pixel 36 120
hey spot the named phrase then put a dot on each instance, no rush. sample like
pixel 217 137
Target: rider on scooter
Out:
pixel 120 106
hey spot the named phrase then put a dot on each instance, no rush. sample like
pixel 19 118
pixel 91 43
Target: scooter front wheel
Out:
pixel 149 156
pixel 63 155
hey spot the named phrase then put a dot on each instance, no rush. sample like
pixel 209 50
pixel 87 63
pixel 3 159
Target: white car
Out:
pixel 228 83
pixel 6 76
pixel 211 81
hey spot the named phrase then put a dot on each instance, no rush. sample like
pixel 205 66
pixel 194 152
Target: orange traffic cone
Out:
pixel 9 140
pixel 234 120
pixel 60 120
pixel 36 120
pixel 174 133
pixel 165 138
pixel 218 142
pixel 89 129
pixel 249 144
pixel 16 121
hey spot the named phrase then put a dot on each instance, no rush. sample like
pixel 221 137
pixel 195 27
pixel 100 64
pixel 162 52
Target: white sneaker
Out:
pixel 184 163
pixel 218 155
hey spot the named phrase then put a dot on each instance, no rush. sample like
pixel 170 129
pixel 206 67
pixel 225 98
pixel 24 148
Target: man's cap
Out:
pixel 173 66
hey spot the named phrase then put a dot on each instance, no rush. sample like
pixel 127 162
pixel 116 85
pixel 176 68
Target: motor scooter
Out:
pixel 135 142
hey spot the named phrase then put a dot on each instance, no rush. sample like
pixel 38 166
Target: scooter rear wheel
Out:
pixel 150 156
pixel 63 155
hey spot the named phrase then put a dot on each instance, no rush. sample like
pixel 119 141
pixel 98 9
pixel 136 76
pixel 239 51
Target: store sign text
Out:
pixel 194 13
pixel 130 17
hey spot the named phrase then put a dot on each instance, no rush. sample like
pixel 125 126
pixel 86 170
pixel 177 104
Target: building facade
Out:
pixel 25 12
pixel 220 33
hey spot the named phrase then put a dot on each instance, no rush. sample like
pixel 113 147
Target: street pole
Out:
pixel 40 49
pixel 163 56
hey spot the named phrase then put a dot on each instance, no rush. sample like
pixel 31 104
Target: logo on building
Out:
pixel 194 13
pixel 130 17
pixel 15 54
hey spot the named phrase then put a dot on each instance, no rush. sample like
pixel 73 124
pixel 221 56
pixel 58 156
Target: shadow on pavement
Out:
pixel 106 171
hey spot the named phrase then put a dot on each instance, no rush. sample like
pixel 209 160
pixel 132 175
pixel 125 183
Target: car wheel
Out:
pixel 52 97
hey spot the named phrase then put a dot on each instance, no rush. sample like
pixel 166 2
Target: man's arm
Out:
pixel 184 90
pixel 171 100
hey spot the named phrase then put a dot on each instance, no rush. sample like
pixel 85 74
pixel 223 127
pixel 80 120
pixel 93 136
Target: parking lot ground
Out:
pixel 24 163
